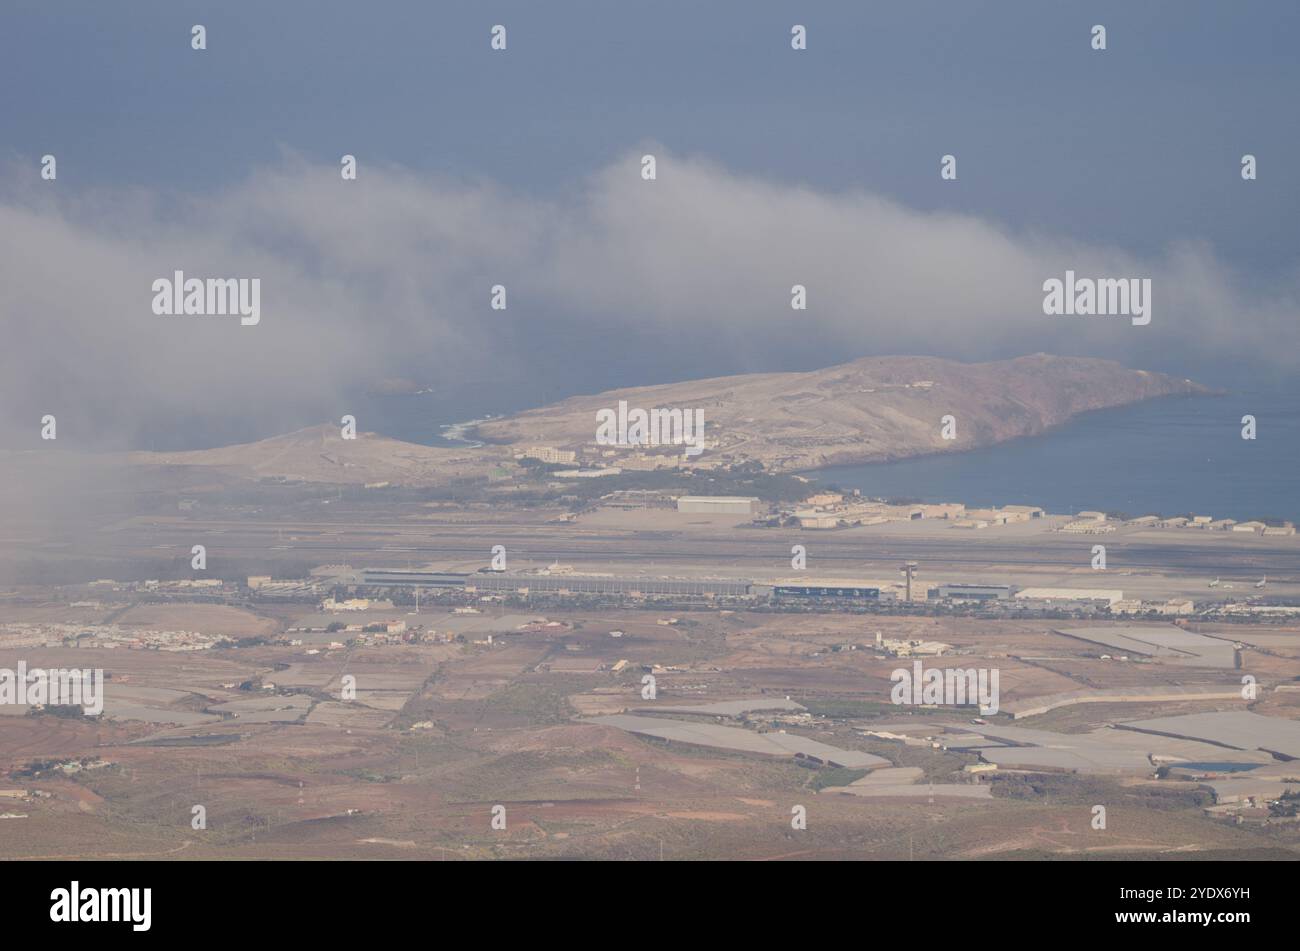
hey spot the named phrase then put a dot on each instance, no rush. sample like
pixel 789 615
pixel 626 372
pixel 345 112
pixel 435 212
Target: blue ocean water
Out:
pixel 1163 457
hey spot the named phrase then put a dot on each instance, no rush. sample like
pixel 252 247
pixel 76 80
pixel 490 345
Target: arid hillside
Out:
pixel 872 409
pixel 320 454
pixel 868 410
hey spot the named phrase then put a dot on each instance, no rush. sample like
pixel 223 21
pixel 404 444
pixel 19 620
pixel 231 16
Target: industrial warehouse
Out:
pixel 632 587
pixel 562 584
pixel 549 583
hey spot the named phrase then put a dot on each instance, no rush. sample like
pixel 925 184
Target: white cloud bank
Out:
pixel 362 280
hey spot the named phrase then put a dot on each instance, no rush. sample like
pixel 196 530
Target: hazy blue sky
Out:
pixel 1139 144
pixel 1133 152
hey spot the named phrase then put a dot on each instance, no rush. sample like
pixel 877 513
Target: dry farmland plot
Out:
pixel 217 619
pixel 505 725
